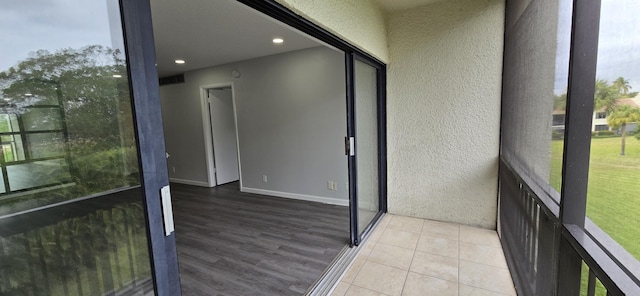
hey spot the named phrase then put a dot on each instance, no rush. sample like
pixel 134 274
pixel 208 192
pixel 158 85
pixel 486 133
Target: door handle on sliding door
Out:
pixel 349 146
pixel 167 211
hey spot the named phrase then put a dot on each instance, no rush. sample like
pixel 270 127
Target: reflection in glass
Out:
pixel 41 119
pixel 38 173
pixel 366 119
pixel 560 93
pixel 613 197
pixel 71 215
pixel 46 145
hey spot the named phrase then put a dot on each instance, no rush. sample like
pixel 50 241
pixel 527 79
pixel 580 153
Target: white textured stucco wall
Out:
pixel 360 22
pixel 443 109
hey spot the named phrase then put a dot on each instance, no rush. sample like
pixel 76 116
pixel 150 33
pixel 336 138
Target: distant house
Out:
pixel 558 121
pixel 599 121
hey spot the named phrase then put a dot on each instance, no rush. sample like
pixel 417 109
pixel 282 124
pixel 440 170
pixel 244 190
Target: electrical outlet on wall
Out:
pixel 332 185
pixel 173 169
pixel 264 178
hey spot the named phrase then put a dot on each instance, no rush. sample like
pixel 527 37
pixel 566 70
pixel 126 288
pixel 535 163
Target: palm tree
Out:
pixel 605 96
pixel 622 85
pixel 619 117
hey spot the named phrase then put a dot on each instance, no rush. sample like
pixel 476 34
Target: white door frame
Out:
pixel 208 138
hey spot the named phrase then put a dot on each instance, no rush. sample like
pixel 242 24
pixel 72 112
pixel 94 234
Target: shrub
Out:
pixel 557 135
pixel 605 133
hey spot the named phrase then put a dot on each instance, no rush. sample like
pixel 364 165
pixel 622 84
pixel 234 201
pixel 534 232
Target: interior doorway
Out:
pixel 223 164
pixel 292 106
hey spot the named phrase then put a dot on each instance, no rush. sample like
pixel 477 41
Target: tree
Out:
pixel 605 96
pixel 622 85
pixel 90 86
pixel 83 80
pixel 620 117
pixel 560 102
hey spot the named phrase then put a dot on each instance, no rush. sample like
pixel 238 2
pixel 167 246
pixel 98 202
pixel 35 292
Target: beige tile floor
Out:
pixel 409 256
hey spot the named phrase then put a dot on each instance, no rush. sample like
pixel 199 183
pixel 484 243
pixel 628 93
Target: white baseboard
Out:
pixel 190 182
pixel 324 200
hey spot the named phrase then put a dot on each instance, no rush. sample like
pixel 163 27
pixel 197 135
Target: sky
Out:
pixel 30 25
pixel 618 43
pixel 58 24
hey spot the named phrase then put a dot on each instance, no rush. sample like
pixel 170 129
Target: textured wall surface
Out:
pixel 444 86
pixel 361 22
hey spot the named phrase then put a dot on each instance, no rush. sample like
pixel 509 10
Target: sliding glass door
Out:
pixel 366 161
pixel 76 212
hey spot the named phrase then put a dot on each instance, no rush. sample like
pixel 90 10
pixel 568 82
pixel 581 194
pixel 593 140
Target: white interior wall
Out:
pixel 291 113
pixel 443 100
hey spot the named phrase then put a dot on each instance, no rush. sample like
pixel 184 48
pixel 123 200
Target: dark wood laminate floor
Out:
pixel 234 243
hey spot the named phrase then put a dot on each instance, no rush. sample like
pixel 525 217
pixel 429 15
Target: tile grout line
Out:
pixel 413 255
pixel 483 264
pixel 367 242
pixel 484 289
pixel 368 289
pixel 459 245
pixel 361 267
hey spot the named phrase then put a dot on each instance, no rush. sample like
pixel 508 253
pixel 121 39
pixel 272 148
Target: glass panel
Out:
pixel 36 174
pixel 46 145
pixel 2 184
pixel 614 168
pixel 73 224
pixel 41 119
pixel 366 119
pixel 16 149
pixel 5 123
pixel 7 152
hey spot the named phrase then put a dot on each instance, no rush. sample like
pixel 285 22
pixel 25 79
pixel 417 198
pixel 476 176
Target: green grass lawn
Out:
pixel 613 198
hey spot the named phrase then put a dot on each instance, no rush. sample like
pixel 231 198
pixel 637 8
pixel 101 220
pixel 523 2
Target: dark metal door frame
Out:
pixel 145 91
pixel 277 11
pixel 140 48
pixel 351 58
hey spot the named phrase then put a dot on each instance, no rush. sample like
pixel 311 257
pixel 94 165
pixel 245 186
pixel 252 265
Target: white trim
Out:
pixel 235 118
pixel 190 182
pixel 206 128
pixel 320 199
pixel 208 141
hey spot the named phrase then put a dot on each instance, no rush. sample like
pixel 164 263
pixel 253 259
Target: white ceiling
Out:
pixel 213 32
pixel 395 5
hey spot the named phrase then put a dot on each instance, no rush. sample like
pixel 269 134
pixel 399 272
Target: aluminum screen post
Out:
pixel 580 102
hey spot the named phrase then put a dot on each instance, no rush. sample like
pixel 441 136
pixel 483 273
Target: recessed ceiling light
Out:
pixel 277 40
pixel 28 95
pixel 7 99
pixel 117 76
pixel 179 61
